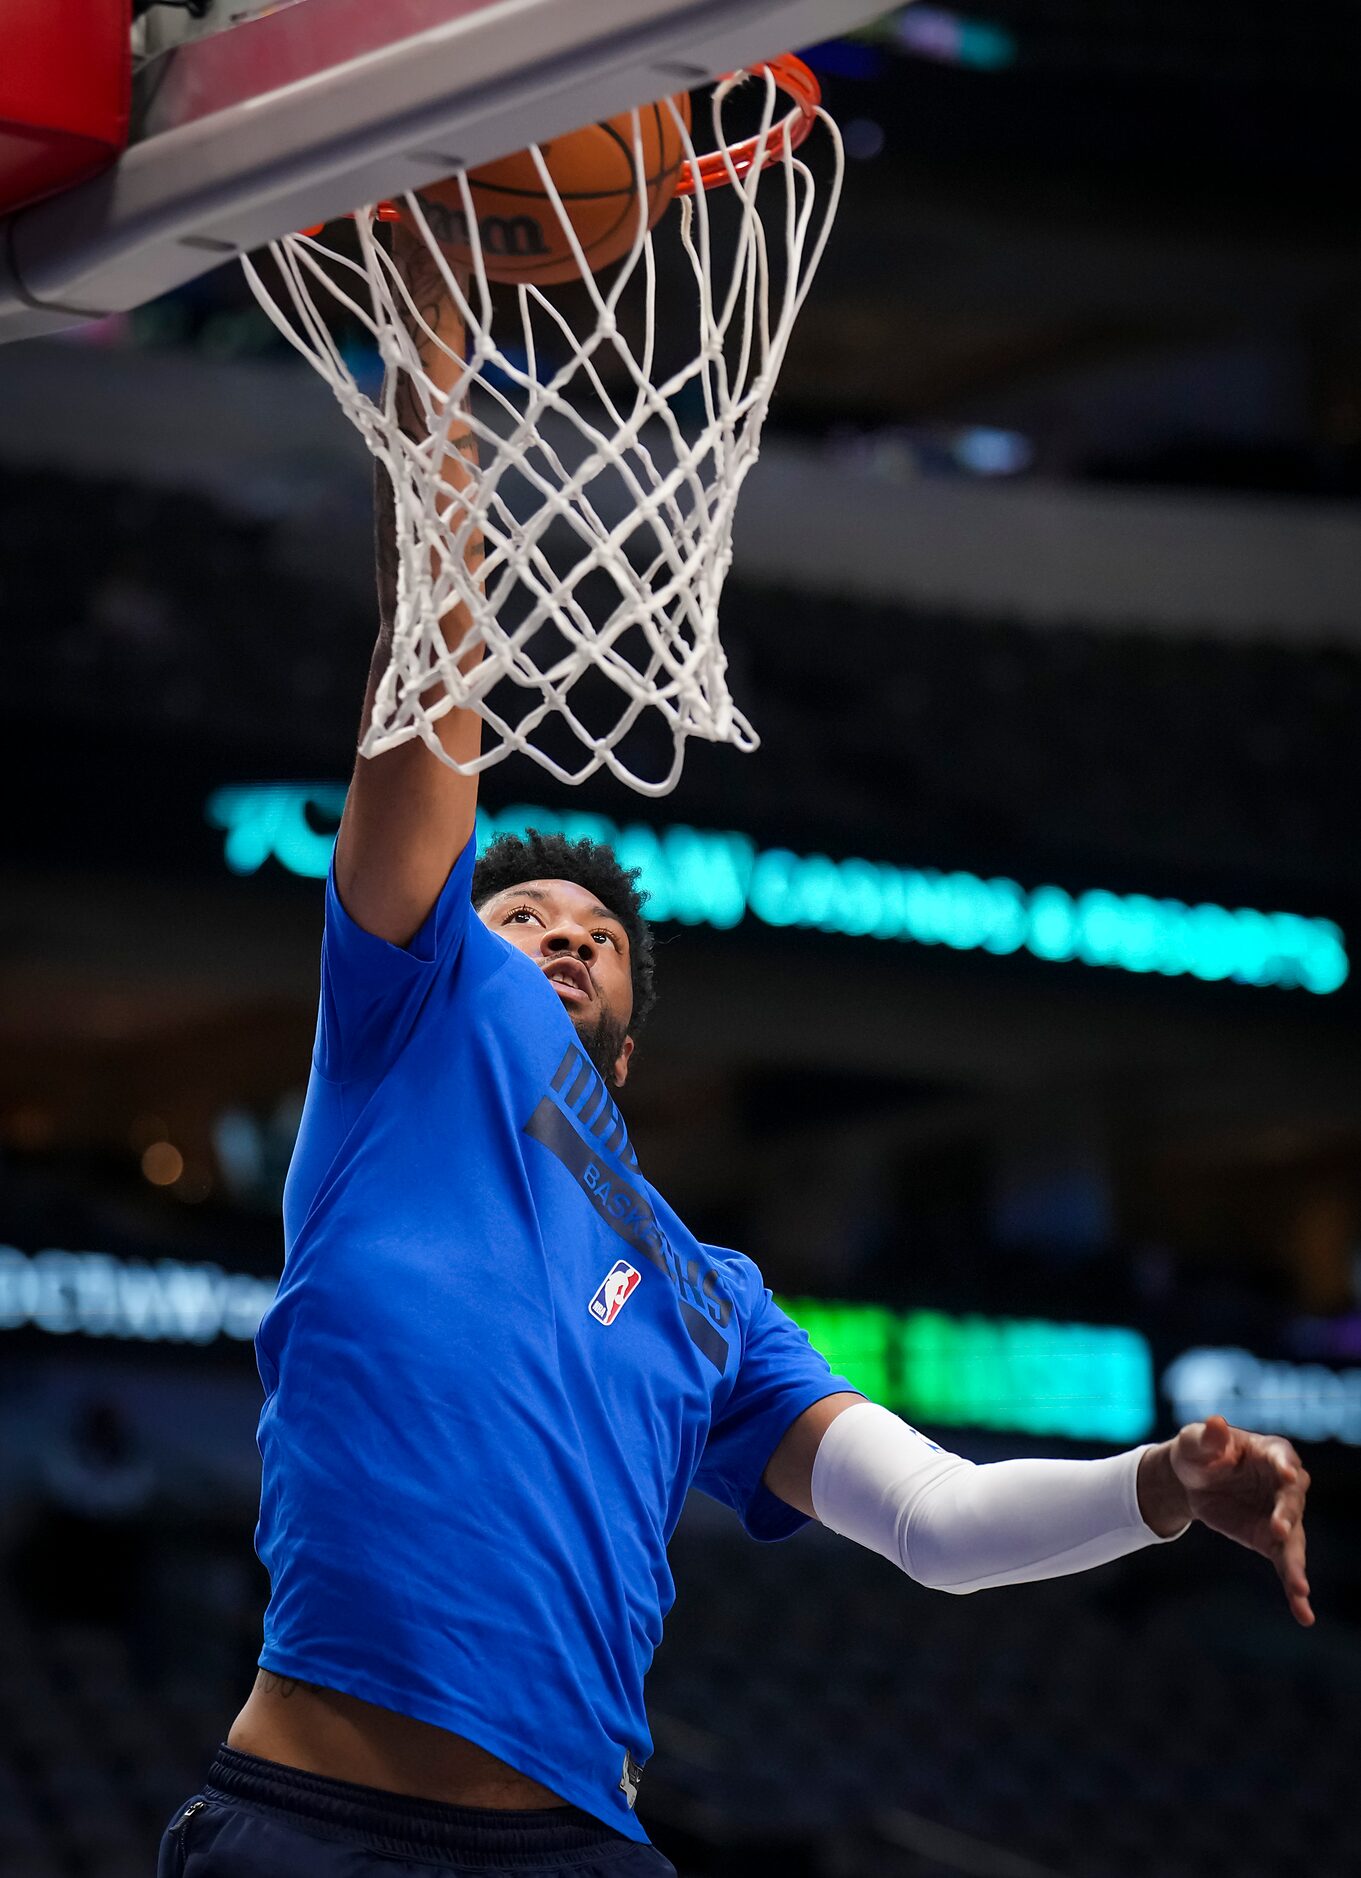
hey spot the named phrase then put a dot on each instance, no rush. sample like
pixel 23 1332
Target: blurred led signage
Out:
pixel 951 39
pixel 1090 1382
pixel 936 33
pixel 278 821
pixel 1306 1400
pixel 93 1294
pixel 1085 1381
pixel 706 877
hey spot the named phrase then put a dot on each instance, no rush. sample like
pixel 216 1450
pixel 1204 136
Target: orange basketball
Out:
pixel 594 172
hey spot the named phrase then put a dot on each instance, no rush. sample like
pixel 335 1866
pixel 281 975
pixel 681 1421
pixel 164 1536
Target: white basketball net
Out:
pixel 605 500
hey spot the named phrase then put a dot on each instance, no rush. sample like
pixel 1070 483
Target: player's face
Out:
pixel 583 951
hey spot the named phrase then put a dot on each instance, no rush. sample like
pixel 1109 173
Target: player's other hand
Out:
pixel 1252 1489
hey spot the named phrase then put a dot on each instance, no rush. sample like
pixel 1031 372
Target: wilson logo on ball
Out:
pixel 599 189
pixel 514 235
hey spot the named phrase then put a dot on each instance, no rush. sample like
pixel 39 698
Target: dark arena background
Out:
pixel 1008 1006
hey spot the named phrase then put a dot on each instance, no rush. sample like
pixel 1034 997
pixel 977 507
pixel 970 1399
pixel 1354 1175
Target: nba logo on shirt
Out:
pixel 614 1293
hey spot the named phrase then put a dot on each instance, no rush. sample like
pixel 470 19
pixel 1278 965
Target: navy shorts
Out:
pixel 256 1819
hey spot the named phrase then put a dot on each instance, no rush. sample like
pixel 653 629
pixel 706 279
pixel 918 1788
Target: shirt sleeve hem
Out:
pixel 766 1517
pixel 424 947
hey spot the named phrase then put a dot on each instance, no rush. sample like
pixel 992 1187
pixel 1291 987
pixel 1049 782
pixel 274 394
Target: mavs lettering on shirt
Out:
pixel 578 1122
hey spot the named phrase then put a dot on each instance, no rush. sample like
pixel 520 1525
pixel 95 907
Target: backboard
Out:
pixel 264 122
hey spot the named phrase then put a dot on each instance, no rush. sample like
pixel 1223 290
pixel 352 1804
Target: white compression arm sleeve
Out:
pixel 959 1527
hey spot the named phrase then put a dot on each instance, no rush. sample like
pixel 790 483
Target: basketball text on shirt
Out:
pixel 578 1122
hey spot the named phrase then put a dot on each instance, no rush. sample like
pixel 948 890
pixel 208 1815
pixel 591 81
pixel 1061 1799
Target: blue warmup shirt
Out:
pixel 495 1364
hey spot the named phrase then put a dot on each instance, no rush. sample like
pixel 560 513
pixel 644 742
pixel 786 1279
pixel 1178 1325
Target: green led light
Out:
pixel 858 1340
pixel 987 47
pixel 1086 1382
pixel 712 877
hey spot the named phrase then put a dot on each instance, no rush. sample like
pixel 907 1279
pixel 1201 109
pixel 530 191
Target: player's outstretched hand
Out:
pixel 1252 1489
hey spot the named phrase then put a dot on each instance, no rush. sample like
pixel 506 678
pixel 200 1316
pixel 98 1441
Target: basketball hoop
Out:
pixel 719 166
pixel 608 478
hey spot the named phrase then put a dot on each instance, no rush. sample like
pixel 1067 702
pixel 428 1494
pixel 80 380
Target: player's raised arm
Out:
pixel 408 815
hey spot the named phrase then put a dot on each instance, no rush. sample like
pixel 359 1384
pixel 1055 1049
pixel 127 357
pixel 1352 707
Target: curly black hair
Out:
pixel 511 859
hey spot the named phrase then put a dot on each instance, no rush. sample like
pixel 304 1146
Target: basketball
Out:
pixel 594 172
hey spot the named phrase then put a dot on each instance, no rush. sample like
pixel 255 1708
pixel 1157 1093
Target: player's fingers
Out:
pixel 1292 1487
pixel 1284 1458
pixel 1298 1597
pixel 1205 1442
pixel 1225 1445
pixel 1287 1509
pixel 1290 1567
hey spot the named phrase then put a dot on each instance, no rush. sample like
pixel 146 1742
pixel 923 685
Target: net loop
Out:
pixel 612 447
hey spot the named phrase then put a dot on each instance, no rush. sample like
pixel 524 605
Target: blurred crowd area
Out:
pixel 1048 574
pixel 902 730
pixel 812 1711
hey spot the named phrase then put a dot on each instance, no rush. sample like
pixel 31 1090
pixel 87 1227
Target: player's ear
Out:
pixel 621 1063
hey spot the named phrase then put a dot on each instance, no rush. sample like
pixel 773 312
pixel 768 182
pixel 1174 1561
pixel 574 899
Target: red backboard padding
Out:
pixel 65 83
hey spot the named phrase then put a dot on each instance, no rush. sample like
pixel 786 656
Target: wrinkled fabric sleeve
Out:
pixel 779 1376
pixel 372 992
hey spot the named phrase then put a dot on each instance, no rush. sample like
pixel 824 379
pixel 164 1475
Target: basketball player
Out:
pixel 498 1360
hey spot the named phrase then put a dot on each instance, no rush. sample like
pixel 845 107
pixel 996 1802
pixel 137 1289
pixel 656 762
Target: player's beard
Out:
pixel 602 1038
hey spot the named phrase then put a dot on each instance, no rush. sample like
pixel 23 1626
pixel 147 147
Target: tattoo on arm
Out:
pixel 428 292
pixel 385 557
